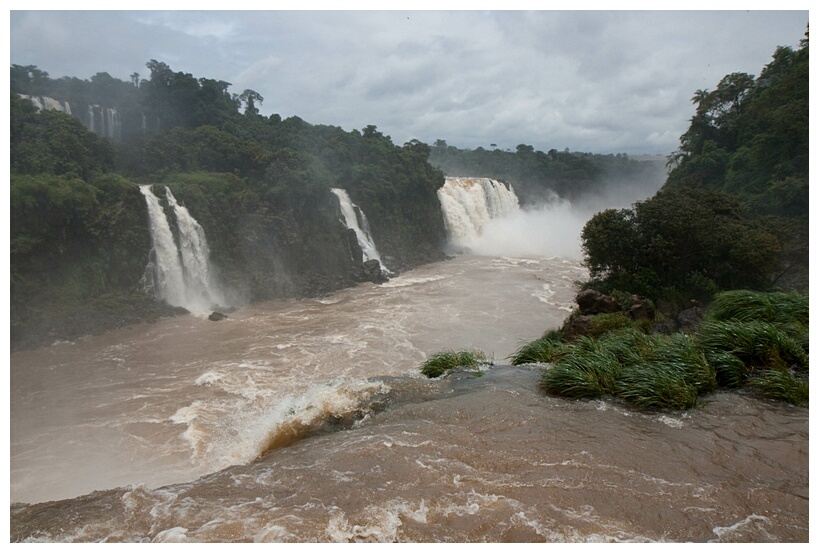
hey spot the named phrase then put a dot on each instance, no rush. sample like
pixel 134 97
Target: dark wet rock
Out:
pixel 690 319
pixel 641 308
pixel 592 302
pixel 373 272
pixel 217 316
pixel 576 326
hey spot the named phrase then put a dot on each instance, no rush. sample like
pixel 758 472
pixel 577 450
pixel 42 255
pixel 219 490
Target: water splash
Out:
pixel 180 273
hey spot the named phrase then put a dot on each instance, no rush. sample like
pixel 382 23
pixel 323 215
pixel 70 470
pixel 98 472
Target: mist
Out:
pixel 549 230
pixel 552 226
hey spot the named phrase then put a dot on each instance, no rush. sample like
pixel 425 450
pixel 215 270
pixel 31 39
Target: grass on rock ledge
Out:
pixel 446 361
pixel 748 339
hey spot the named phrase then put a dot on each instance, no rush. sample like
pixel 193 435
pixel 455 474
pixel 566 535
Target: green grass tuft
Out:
pixel 547 349
pixel 443 362
pixel 657 385
pixel 781 386
pixel 589 371
pixel 757 344
pixel 781 308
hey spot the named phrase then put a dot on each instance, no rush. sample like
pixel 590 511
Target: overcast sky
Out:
pixel 592 81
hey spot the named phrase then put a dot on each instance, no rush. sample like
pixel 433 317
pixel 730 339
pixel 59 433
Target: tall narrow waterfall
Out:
pixel 469 204
pixel 180 270
pixel 355 219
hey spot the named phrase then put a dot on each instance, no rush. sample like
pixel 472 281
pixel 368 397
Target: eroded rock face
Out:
pixel 373 272
pixel 592 302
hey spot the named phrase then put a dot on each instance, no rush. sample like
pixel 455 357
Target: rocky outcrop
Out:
pixel 373 272
pixel 641 308
pixel 592 302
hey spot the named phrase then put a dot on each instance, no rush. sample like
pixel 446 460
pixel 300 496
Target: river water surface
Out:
pixel 307 420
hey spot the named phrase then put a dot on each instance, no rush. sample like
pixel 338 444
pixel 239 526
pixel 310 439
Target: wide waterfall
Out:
pixel 355 219
pixel 470 203
pixel 44 103
pixel 180 267
pixel 482 216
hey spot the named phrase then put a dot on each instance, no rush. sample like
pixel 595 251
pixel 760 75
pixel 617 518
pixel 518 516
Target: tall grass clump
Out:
pixel 589 370
pixel 780 308
pixel 445 361
pixel 758 344
pixel 547 349
pixel 658 385
pixel 781 386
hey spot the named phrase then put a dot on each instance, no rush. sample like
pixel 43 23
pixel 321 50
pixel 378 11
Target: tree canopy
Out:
pixel 734 210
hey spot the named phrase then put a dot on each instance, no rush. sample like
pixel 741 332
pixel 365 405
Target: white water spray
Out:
pixel 182 273
pixel 483 216
pixel 469 204
pixel 355 219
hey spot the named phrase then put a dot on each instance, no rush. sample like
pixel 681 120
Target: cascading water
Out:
pixel 355 219
pixel 469 204
pixel 483 216
pixel 181 272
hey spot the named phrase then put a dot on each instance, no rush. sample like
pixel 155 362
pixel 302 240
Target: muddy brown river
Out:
pixel 307 421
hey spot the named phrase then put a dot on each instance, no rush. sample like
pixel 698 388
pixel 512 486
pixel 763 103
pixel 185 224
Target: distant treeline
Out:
pixel 536 175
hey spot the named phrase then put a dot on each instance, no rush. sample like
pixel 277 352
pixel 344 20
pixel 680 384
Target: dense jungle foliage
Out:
pixel 734 210
pixel 259 186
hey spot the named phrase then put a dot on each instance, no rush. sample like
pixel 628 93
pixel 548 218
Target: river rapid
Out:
pixel 307 421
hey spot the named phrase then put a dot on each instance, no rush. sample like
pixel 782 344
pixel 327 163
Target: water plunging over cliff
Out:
pixel 355 219
pixel 469 204
pixel 180 267
pixel 104 122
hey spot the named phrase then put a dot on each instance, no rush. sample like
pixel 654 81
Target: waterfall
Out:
pixel 180 267
pixel 44 102
pixel 104 122
pixel 355 219
pixel 468 204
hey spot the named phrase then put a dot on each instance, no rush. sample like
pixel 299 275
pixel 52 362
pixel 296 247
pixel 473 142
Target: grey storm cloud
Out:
pixel 597 81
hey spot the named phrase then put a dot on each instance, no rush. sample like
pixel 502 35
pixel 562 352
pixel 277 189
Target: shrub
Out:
pixel 443 362
pixel 609 322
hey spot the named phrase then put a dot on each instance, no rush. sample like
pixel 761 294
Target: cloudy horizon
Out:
pixel 590 81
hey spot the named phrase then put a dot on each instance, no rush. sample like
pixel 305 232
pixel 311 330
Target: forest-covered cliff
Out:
pixel 260 187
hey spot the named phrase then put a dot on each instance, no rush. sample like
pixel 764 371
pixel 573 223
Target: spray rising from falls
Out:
pixel 355 219
pixel 179 271
pixel 483 216
pixel 469 204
